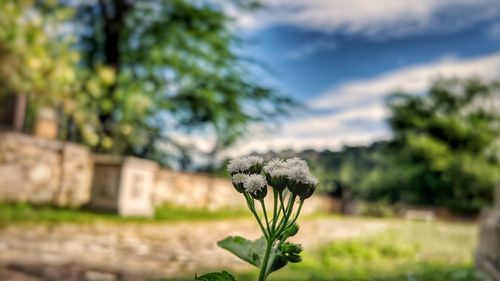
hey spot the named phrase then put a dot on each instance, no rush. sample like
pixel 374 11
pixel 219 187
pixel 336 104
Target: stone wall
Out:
pixel 209 192
pixel 488 252
pixel 43 171
pixel 197 190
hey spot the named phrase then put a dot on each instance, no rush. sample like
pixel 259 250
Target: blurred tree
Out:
pixel 37 59
pixel 445 151
pixel 162 66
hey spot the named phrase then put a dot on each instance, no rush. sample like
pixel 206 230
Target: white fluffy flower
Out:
pixel 298 173
pixel 311 180
pixel 254 183
pixel 276 168
pixel 254 160
pixel 239 178
pixel 296 162
pixel 243 164
pixel 238 165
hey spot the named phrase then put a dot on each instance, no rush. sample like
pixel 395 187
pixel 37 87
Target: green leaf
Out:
pixel 247 250
pixel 216 276
pixel 288 252
pixel 253 251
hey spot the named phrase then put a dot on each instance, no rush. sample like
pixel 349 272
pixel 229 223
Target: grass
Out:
pixel 12 213
pixel 407 251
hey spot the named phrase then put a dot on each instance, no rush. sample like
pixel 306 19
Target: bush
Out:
pixel 377 209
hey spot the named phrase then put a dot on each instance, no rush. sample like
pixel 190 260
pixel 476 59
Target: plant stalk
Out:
pixel 265 216
pixel 264 265
pixel 254 212
pixel 275 211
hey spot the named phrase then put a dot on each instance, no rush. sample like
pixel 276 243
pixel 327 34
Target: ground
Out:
pixel 153 248
pixel 336 249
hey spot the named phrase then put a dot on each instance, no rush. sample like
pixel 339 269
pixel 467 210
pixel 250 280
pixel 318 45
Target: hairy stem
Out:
pixel 283 224
pixel 297 213
pixel 275 211
pixel 254 212
pixel 265 216
pixel 264 265
pixel 282 203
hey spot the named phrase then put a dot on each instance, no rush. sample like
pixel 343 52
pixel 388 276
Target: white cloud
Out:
pixel 380 17
pixel 413 79
pixel 356 111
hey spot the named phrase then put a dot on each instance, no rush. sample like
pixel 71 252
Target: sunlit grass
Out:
pixel 11 213
pixel 407 251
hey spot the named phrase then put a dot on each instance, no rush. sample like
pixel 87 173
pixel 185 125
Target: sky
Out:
pixel 341 58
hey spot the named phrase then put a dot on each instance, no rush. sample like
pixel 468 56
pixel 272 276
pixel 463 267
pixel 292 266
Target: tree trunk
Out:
pixel 20 112
pixel 113 14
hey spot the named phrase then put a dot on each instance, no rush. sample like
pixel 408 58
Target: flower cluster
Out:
pixel 245 165
pixel 291 183
pixel 246 174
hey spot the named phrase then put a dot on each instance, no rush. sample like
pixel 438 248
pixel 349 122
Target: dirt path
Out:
pixel 143 249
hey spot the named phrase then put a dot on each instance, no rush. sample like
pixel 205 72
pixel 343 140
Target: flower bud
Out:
pixel 308 193
pixel 290 231
pixel 301 182
pixel 279 183
pixel 255 169
pixel 260 194
pixel 256 186
pixel 245 165
pixel 291 252
pixel 276 174
pixel 238 180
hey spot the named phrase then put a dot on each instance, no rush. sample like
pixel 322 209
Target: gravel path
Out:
pixel 111 251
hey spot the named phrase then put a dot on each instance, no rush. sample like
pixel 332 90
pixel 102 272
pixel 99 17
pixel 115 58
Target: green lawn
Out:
pixel 409 251
pixel 25 213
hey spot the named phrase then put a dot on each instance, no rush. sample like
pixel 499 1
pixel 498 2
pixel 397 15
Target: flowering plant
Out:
pixel 291 183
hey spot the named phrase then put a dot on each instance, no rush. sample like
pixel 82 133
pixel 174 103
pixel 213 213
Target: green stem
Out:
pixel 254 212
pixel 275 211
pixel 265 216
pixel 282 203
pixel 264 265
pixel 298 212
pixel 283 224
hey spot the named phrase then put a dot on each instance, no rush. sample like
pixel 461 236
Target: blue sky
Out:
pixel 306 63
pixel 342 57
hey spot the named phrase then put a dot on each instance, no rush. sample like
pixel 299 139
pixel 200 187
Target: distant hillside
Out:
pixel 333 167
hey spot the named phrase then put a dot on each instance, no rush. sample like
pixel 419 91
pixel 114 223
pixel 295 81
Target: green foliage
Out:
pixel 377 209
pixel 444 152
pixel 154 67
pixel 253 251
pixel 128 76
pixel 216 276
pixel 249 251
pixel 37 60
pixel 447 142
